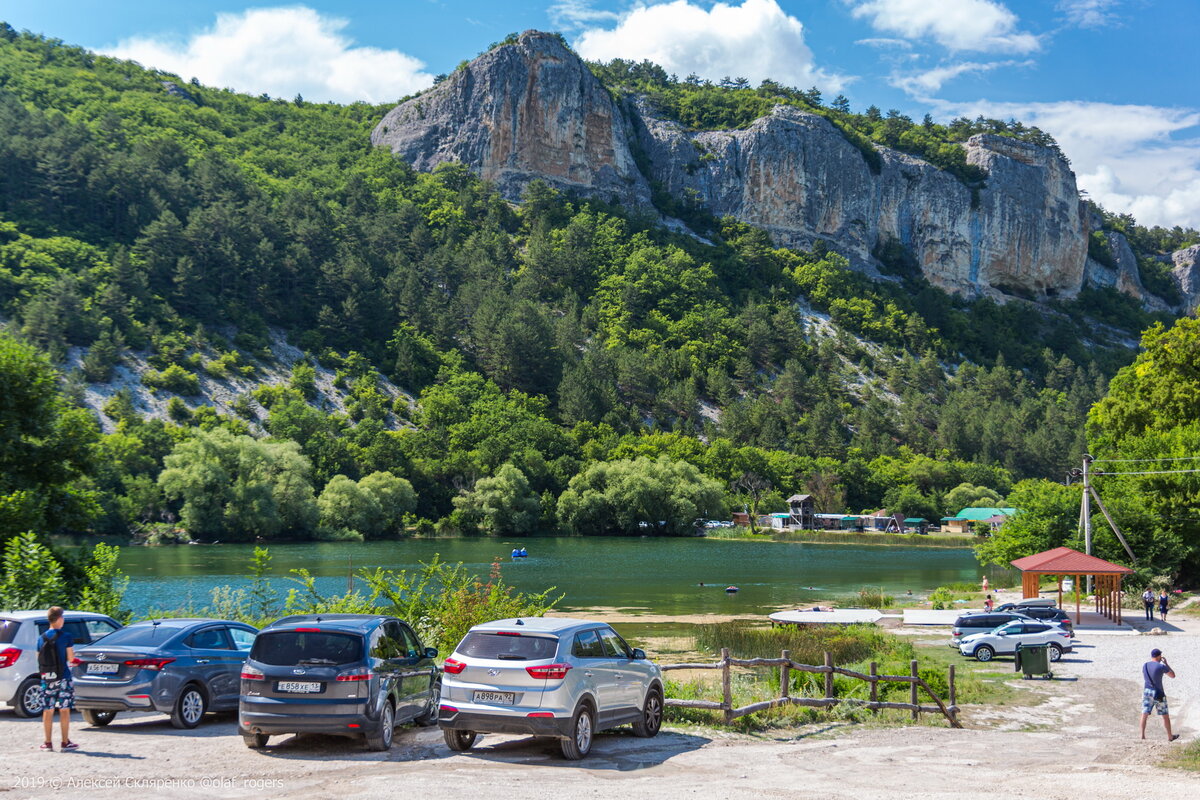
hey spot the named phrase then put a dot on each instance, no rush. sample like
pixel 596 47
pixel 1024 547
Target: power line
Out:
pixel 1140 460
pixel 1151 472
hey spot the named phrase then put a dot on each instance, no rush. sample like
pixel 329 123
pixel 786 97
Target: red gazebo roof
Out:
pixel 1065 561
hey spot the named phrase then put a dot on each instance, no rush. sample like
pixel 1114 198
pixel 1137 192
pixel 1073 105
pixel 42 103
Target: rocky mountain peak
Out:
pixel 532 109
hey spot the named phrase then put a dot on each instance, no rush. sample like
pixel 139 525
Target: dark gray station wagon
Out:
pixel 344 674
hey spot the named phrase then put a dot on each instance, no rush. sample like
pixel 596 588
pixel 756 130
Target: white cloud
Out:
pixel 922 84
pixel 575 14
pixel 1137 159
pixel 282 52
pixel 979 25
pixel 755 40
pixel 885 42
pixel 1088 13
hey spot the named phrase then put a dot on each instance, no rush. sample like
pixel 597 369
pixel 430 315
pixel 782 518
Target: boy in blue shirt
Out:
pixel 1153 696
pixel 58 691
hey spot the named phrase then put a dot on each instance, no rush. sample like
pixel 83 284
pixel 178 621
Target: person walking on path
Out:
pixel 1164 603
pixel 1153 696
pixel 1148 601
pixel 55 652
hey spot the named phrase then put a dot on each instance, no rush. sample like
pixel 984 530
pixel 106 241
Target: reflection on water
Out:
pixel 648 575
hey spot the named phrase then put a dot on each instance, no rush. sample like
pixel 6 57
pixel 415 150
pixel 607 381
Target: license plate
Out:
pixel 102 669
pixel 498 698
pixel 298 687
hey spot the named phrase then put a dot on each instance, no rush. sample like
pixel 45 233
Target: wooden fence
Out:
pixel 786 665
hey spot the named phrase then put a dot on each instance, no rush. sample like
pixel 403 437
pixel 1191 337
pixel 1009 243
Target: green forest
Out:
pixel 564 365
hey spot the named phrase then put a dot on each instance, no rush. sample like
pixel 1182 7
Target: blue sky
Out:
pixel 1116 81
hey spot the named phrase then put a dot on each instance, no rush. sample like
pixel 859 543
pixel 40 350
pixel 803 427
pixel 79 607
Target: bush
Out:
pixel 846 644
pixel 172 379
pixel 441 601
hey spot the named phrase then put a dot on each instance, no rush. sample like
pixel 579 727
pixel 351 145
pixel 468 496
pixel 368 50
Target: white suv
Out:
pixel 564 678
pixel 1005 639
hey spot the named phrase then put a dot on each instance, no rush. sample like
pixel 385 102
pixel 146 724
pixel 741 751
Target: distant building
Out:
pixel 963 521
pixel 802 508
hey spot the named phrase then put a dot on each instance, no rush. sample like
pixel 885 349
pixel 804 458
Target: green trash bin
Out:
pixel 1032 659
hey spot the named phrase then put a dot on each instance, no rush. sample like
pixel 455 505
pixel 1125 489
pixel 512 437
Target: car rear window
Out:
pixel 8 630
pixel 507 647
pixel 284 648
pixel 139 636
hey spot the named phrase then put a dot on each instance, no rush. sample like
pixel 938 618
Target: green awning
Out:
pixel 914 520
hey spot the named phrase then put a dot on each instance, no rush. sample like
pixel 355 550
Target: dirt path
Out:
pixel 1080 742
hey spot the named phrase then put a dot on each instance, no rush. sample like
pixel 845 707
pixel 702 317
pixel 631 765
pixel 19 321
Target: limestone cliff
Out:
pixel 1187 276
pixel 533 110
pixel 519 112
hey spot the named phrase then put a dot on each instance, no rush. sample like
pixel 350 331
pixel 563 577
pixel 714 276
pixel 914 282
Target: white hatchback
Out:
pixel 565 678
pixel 1005 639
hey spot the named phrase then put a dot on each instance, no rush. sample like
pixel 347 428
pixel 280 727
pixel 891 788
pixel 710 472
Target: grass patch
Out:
pixel 1186 757
pixel 852 647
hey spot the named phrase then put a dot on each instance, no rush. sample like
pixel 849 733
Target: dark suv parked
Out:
pixel 1055 616
pixel 981 622
pixel 344 674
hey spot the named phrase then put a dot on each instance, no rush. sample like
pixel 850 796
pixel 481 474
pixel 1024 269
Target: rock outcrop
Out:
pixel 795 174
pixel 1187 276
pixel 533 110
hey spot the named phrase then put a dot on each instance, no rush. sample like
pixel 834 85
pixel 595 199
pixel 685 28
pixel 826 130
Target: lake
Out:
pixel 637 575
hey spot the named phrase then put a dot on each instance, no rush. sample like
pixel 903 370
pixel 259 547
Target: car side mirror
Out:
pixel 431 652
pixel 639 654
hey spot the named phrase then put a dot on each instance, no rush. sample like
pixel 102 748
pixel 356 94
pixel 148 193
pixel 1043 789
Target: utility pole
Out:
pixel 1086 514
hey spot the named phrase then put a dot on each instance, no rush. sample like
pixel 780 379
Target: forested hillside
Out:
pixel 576 366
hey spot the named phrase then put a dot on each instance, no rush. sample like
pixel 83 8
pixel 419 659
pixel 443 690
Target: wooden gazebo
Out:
pixel 1063 561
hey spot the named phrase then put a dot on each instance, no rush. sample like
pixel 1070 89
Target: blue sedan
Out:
pixel 180 667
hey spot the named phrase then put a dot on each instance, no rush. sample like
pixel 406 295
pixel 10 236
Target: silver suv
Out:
pixel 20 681
pixel 564 678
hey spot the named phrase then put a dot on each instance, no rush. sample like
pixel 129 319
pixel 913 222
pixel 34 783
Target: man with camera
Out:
pixel 1153 696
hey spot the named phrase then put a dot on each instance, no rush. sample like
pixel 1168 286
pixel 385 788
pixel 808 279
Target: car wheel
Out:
pixel 430 717
pixel 29 698
pixel 984 653
pixel 189 708
pixel 381 738
pixel 255 741
pixel 1056 652
pixel 98 719
pixel 652 716
pixel 459 741
pixel 579 743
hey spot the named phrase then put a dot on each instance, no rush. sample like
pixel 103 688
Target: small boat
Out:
pixel 520 553
pixel 731 590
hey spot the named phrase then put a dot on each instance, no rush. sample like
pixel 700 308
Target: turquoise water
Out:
pixel 640 575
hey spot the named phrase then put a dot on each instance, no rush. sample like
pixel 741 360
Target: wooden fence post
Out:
pixel 726 686
pixel 953 696
pixel 785 675
pixel 916 714
pixel 828 675
pixel 874 686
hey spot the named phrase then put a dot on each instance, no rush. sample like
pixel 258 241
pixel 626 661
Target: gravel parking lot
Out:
pixel 1080 742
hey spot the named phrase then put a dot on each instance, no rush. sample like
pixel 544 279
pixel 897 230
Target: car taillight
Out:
pixel 355 675
pixel 154 664
pixel 75 662
pixel 453 667
pixel 250 673
pixel 956 632
pixel 549 672
pixel 307 630
pixel 9 656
